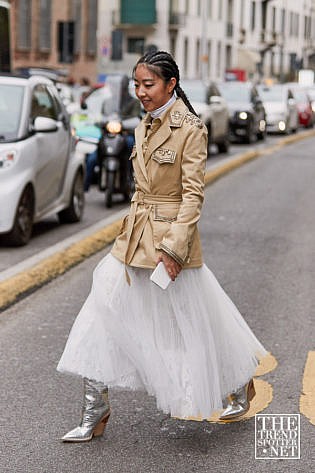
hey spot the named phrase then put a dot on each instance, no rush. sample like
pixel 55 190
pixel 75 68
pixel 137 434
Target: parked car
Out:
pixel 247 111
pixel 40 172
pixel 281 108
pixel 304 104
pixel 311 94
pixel 211 107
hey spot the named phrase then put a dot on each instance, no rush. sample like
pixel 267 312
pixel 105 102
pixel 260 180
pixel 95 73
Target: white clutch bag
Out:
pixel 160 276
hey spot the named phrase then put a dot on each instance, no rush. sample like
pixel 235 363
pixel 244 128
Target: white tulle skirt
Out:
pixel 187 345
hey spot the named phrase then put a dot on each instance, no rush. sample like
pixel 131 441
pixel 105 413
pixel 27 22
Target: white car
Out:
pixel 212 109
pixel 40 172
pixel 281 108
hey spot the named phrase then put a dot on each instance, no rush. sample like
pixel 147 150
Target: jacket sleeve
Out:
pixel 178 239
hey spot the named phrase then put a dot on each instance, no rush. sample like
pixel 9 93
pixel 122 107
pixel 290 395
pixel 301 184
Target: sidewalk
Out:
pixel 37 270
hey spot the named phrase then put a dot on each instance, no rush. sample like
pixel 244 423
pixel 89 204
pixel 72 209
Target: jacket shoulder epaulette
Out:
pixel 191 119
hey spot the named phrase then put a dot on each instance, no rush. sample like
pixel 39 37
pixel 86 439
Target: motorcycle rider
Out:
pixel 129 107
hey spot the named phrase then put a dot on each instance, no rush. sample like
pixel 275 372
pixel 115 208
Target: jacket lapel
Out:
pixel 139 135
pixel 158 138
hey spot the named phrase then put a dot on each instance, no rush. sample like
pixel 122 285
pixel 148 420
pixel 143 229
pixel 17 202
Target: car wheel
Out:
pixel 251 135
pixel 23 222
pixel 74 212
pixel 223 146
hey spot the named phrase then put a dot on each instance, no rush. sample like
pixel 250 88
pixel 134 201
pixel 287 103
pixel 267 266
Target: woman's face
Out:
pixel 151 90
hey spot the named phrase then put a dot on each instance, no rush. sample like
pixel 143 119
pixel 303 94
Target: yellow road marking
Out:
pixel 307 398
pixel 267 364
pixel 55 265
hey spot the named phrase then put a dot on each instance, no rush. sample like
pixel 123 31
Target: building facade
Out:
pixel 209 38
pixel 266 38
pixel 57 34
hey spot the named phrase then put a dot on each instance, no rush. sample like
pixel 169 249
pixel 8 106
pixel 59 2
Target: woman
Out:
pixel 188 345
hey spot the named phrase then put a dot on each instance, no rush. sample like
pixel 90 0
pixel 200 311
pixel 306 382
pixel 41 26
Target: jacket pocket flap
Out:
pixel 166 213
pixel 164 155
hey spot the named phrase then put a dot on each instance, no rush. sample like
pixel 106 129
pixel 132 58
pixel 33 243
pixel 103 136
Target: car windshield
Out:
pixel 103 101
pixel 235 93
pixel 272 94
pixel 11 100
pixel 195 91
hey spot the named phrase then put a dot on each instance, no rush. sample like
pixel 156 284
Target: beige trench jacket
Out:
pixel 169 169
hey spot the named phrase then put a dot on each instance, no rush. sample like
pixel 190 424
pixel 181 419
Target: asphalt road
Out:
pixel 258 237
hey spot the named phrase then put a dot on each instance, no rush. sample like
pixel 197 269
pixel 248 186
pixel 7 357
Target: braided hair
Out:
pixel 163 65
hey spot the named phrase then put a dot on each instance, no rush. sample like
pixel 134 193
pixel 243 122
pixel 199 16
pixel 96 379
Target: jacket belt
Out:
pixel 148 201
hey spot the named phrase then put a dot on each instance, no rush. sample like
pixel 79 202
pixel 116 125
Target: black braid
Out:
pixel 163 65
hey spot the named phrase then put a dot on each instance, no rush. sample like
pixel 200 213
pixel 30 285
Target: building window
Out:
pixel 209 12
pixel 297 22
pixel 76 15
pixel 91 27
pixel 307 27
pixel 283 21
pixel 187 7
pixel 44 25
pixel 186 57
pixel 273 19
pixel 242 14
pixel 220 10
pixel 24 24
pixel 135 45
pixel 219 59
pixel 253 16
pixel 209 59
pixel 198 58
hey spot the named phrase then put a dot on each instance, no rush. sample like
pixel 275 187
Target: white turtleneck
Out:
pixel 158 112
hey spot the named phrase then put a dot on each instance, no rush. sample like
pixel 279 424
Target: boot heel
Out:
pixel 251 392
pixel 99 429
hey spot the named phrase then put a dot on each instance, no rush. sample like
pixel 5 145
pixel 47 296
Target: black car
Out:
pixel 247 111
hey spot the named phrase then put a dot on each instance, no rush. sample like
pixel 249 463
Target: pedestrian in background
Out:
pixel 187 345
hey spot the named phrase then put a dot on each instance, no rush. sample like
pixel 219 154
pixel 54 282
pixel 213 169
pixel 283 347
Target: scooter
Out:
pixel 113 171
pixel 115 175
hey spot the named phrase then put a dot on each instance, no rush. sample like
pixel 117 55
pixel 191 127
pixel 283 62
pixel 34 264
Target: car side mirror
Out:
pixel 84 106
pixel 44 124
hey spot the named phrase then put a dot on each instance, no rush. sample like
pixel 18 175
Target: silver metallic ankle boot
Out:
pixel 95 413
pixel 239 402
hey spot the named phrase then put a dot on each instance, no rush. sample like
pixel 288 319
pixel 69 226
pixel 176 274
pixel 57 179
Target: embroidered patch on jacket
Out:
pixel 164 155
pixel 176 118
pixel 193 120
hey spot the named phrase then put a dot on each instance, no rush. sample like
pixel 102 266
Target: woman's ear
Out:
pixel 172 84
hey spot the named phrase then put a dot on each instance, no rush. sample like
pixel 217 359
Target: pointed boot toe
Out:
pixel 240 402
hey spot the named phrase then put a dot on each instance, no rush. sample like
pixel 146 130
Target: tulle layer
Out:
pixel 188 345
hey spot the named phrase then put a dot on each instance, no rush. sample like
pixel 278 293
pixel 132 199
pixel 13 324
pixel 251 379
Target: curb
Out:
pixel 27 281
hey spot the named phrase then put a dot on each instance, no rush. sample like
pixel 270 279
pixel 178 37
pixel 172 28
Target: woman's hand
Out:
pixel 172 267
